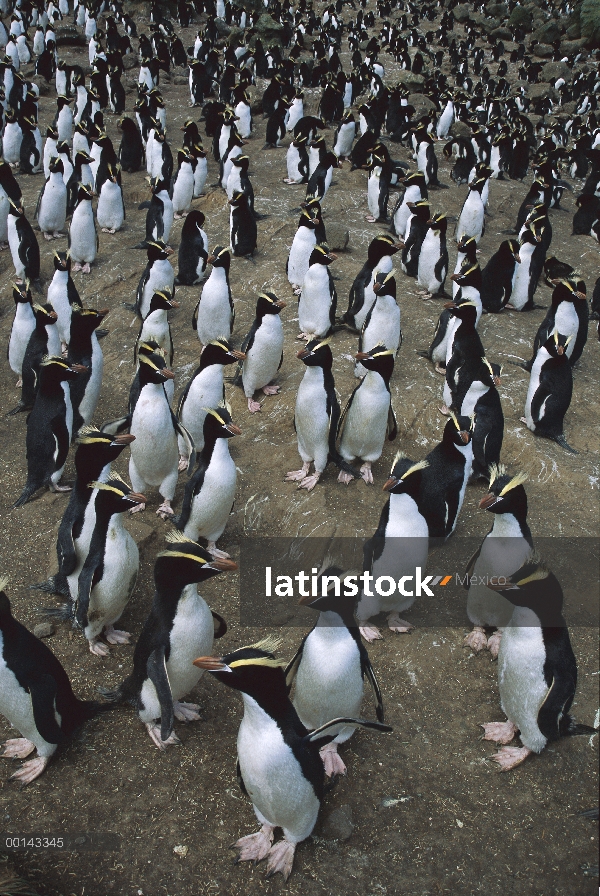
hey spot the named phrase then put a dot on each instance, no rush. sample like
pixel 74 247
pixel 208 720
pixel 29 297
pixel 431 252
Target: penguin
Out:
pixel 156 328
pixel 386 555
pixel 159 218
pixel 433 258
pixel 537 670
pixel 209 494
pixel 43 341
pixel 344 136
pixel 464 349
pixel 63 295
pixel 158 276
pixel 318 300
pixel 243 114
pixel 35 696
pixel 110 212
pixel 471 221
pixel 446 119
pixel 295 112
pixel 415 190
pixel 131 149
pixel 201 170
pixel 23 326
pixel 477 395
pixel 320 179
pixel 444 480
pixel 95 451
pixel 51 209
pixel 193 250
pixel 368 417
pixel 9 191
pixel 183 184
pixel 85 351
pixel 297 162
pixel 329 668
pixel 501 553
pixel 81 174
pixel 550 390
pixel 426 158
pixel 379 253
pixel 24 246
pixel 527 273
pixel 11 139
pixel 242 226
pixel 204 390
pixel 116 91
pixel 30 158
pixel 49 428
pixel 303 244
pixel 155 458
pixel 277 756
pixel 382 323
pixel 561 316
pixel 263 351
pixel 214 314
pixel 179 625
pixel 498 275
pixel 83 238
pixel 276 129
pixel 63 120
pixel 316 416
pixel 416 231
pixel 238 181
pixel 50 149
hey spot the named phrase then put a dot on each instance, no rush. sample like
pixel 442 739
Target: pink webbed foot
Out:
pixel 31 770
pixel 98 648
pixel 165 511
pixel 48 236
pixel 398 625
pixel 115 636
pixel 183 464
pixel 214 550
pixel 298 475
pixel 445 410
pixel 297 290
pixel 76 266
pixel 331 760
pixel 281 859
pixel 17 748
pixel 494 642
pixel 510 757
pixel 154 732
pixel 499 732
pixel 309 482
pixel 366 474
pixel 186 712
pixel 289 180
pixel 476 639
pixel 370 633
pixel 107 230
pixel 19 383
pixel 440 370
pixel 57 235
pixel 345 478
pixel 523 420
pixel 55 487
pixel 86 269
pixel 138 508
pixel 271 389
pixel 255 847
pixel 254 406
pixel 371 219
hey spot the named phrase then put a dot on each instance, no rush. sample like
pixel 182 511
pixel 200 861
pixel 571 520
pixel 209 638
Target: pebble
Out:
pixel 338 824
pixel 44 630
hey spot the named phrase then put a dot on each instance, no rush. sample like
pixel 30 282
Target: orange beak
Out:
pixel 487 501
pixel 211 664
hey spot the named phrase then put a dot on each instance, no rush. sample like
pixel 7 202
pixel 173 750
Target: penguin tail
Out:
pixel 64 613
pixel 342 464
pixel 321 734
pixel 236 379
pixel 111 697
pixel 114 427
pixel 130 307
pixel 142 245
pixel 54 585
pixel 141 206
pixel 560 440
pixel 37 285
pixel 18 409
pixel 424 353
pixel 100 334
pixel 92 708
pixel 570 728
pixel 220 625
pixel 521 364
pixel 27 493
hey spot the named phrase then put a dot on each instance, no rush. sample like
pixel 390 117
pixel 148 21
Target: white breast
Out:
pixel 366 423
pixel 15 705
pixel 110 595
pixel 311 418
pixel 521 680
pixel 315 301
pixel 212 506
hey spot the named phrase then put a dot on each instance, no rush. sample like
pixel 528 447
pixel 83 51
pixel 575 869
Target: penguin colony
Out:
pixel 296 713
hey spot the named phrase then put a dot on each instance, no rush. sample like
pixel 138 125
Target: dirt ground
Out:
pixel 430 812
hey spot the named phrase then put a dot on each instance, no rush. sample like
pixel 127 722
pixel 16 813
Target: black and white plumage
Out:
pixel 444 480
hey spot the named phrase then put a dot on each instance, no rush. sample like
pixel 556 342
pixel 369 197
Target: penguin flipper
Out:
pixel 369 671
pixel 240 780
pixel 320 734
pixel 471 565
pixel 156 667
pixel 553 713
pixel 188 440
pixel 291 669
pixel 221 627
pixel 43 695
pixel 392 426
pixel 87 580
pixel 114 427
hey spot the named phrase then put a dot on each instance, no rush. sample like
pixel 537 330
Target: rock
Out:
pixel 423 104
pixel 552 71
pixel 338 237
pixel 43 86
pixel 44 630
pixel 542 51
pixel 503 34
pixel 462 13
pixel 497 10
pixel 142 533
pixel 548 32
pixel 574 30
pixel 130 60
pixel 460 129
pixel 222 28
pixel 540 91
pixel 267 28
pixel 180 80
pixel 254 98
pixel 68 36
pixel 520 18
pixel 338 824
pixel 571 46
pixel 411 80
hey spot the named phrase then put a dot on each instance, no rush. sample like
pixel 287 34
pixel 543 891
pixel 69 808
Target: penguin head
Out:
pixel 317 353
pixel 458 430
pixel 379 359
pixel 153 368
pixel 22 293
pixel 85 320
pixel 16 210
pixel 535 587
pixel 81 158
pixel 511 247
pixel 268 303
pixel 62 261
pixel 54 370
pixel 566 291
pixel 466 312
pixel 380 246
pixel 468 245
pixel 321 255
pixel 84 193
pixel 241 162
pixel 339 603
pixel 220 258
pixel 156 251
pixel 385 284
pixel 254 670
pixel 63 149
pixel 51 132
pixel 56 166
pixel 113 172
pixel 556 345
pixel 490 373
pixel 162 301
pixel 405 476
pixel 420 209
pixel 438 223
pixel 115 496
pixel 45 315
pixel 506 493
pixel 219 351
pixel 102 447
pixel 218 424
pixel 185 562
pixel 194 221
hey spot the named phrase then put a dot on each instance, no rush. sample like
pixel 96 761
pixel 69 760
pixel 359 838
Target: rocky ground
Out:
pixel 422 810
